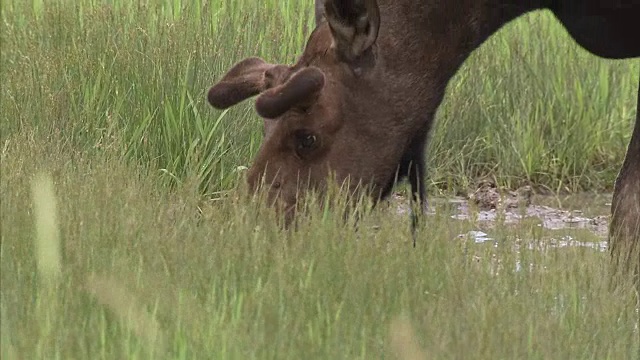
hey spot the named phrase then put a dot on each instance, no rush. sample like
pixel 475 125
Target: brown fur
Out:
pixel 384 67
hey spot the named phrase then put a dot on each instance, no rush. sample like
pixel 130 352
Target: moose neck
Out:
pixel 430 40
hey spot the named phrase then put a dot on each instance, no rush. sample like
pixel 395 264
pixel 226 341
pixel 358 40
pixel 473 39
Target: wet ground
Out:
pixel 588 212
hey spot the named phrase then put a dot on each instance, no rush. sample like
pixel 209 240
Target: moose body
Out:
pixel 360 101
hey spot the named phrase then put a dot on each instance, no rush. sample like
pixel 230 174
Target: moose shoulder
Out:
pixel 360 100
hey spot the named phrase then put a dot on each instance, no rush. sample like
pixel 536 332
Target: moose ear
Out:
pixel 354 25
pixel 244 80
pixel 302 89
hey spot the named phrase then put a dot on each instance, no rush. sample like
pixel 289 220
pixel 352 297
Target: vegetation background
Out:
pixel 157 256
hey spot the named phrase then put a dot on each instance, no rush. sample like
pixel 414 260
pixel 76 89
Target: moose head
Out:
pixel 356 105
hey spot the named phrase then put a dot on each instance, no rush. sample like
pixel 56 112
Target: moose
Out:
pixel 360 101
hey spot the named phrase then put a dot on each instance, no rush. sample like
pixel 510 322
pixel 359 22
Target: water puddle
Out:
pixel 480 237
pixel 550 218
pixel 582 211
pixel 568 241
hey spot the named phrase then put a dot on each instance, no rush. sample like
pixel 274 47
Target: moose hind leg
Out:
pixel 624 230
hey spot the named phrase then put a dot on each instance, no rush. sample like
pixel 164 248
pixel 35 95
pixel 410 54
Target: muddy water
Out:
pixel 554 214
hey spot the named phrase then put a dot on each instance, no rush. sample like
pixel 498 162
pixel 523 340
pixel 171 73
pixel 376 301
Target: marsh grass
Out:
pixel 161 255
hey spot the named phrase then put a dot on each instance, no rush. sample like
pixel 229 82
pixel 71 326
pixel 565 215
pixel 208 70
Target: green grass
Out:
pixel 147 273
pixel 125 234
pixel 529 105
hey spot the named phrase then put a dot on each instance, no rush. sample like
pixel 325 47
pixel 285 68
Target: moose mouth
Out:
pixel 285 206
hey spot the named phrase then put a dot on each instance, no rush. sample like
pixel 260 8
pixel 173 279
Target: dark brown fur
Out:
pixel 379 70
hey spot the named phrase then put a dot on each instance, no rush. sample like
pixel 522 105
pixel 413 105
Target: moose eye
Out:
pixel 305 142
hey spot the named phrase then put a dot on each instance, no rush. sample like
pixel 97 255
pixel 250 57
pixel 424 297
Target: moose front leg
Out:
pixel 413 166
pixel 624 230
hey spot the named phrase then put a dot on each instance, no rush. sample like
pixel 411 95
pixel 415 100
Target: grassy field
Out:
pixel 137 242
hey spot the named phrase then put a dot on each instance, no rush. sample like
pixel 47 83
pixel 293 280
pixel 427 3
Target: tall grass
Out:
pixel 133 76
pixel 532 106
pixel 108 98
pixel 528 106
pixel 153 274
